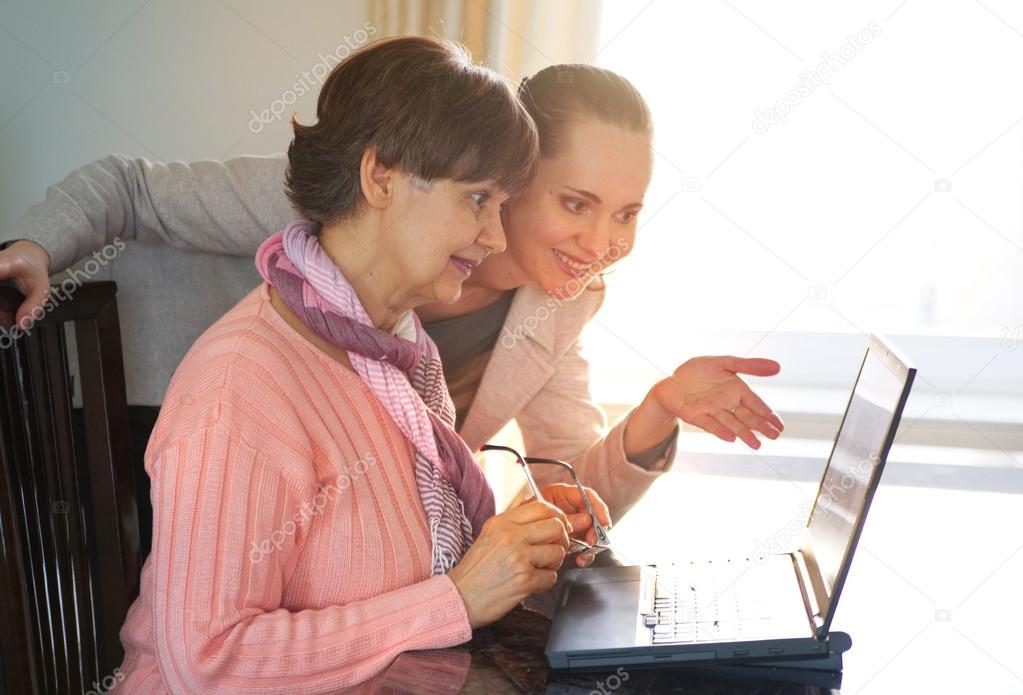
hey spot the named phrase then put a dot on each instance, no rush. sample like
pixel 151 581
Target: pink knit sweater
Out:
pixel 290 549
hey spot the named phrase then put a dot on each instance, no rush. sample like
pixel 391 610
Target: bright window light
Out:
pixel 823 172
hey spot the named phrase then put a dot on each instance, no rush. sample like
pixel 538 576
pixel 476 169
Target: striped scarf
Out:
pixel 404 374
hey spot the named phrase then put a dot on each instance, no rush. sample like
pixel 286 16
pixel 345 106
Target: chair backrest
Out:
pixel 68 511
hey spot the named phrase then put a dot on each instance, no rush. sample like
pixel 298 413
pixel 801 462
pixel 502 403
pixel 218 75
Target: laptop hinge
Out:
pixel 813 609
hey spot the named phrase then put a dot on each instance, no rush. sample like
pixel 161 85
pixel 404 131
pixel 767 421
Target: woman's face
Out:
pixel 578 216
pixel 439 233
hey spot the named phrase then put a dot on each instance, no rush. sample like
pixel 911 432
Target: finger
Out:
pixel 563 496
pixel 709 424
pixel 584 559
pixel 580 522
pixel 740 430
pixel 7 311
pixel 755 422
pixel 535 510
pixel 546 531
pixel 33 307
pixel 541 580
pixel 755 366
pixel 757 405
pixel 600 507
pixel 546 556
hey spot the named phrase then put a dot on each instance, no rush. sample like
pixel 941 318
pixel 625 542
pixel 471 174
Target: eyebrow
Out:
pixel 596 199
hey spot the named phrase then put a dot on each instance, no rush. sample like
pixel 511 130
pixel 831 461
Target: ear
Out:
pixel 378 181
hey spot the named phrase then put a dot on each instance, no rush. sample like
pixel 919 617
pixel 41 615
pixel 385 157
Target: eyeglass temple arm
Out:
pixel 602 536
pixel 522 462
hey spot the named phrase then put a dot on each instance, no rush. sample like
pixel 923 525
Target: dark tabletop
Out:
pixel 507 657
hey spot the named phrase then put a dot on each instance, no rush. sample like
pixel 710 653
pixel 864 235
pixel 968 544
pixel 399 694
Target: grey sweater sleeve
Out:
pixel 226 207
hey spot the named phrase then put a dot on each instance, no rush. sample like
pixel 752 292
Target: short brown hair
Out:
pixel 427 109
pixel 559 94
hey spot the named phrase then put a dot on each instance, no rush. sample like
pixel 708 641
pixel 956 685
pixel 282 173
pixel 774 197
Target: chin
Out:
pixel 561 288
pixel 449 295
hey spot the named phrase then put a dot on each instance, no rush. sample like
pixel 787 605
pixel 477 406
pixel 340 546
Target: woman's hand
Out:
pixel 516 554
pixel 706 392
pixel 28 265
pixel 568 499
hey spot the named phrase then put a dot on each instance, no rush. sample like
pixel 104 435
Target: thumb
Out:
pixel 755 366
pixel 32 308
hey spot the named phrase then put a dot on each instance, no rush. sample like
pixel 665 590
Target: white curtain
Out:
pixel 513 37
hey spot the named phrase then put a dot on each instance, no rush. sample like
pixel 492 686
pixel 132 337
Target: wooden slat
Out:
pixel 68 513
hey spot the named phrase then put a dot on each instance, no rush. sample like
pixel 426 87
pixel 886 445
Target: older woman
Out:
pixel 315 512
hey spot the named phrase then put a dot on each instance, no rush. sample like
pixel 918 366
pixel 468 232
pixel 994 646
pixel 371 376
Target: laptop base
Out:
pixel 822 672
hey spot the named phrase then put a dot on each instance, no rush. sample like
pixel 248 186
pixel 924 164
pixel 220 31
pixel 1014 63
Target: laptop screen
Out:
pixel 860 449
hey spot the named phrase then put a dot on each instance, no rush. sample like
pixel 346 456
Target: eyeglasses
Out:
pixel 579 547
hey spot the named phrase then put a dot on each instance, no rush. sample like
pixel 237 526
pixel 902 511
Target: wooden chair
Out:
pixel 69 514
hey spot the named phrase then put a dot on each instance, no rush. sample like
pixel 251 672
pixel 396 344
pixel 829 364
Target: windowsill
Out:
pixel 802 461
pixel 964 427
pixel 697 442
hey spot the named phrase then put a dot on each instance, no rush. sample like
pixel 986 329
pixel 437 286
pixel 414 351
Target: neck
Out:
pixel 303 330
pixel 355 247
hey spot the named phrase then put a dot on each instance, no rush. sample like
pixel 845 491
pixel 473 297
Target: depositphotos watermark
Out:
pixel 611 683
pixel 107 684
pixel 810 80
pixel 833 492
pixel 784 538
pixel 527 327
pixel 62 292
pixel 310 509
pixel 307 80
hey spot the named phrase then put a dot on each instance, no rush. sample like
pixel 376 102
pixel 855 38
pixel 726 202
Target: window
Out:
pixel 821 173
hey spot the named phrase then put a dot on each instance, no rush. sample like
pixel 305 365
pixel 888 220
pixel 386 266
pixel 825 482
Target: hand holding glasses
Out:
pixel 578 547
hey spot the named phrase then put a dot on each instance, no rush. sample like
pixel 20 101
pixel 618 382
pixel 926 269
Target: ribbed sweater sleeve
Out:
pixel 217 612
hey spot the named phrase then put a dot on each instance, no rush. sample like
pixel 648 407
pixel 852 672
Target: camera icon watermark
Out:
pixel 1011 337
pixel 943 186
pixel 943 615
pixel 60 507
pixel 817 293
pixel 943 400
pixel 566 77
pixel 691 184
pixel 61 77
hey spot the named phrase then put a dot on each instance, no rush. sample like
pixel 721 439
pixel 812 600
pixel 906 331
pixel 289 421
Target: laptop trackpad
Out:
pixel 598 608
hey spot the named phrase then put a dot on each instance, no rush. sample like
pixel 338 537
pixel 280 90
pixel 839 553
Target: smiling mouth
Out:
pixel 574 267
pixel 465 265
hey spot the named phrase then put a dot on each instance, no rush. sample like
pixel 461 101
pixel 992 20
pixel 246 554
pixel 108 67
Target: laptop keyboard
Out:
pixel 711 601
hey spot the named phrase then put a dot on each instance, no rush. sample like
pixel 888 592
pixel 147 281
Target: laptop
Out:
pixel 759 611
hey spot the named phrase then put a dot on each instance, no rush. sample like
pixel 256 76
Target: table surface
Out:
pixel 931 602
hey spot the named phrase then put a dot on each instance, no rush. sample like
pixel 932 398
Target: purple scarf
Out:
pixel 404 373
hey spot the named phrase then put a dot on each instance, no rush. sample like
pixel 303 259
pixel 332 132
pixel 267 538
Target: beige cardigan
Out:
pixel 208 209
pixel 538 376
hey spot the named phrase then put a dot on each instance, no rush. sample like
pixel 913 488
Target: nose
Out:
pixel 595 240
pixel 492 235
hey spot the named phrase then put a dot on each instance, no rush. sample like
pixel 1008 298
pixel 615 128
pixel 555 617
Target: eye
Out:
pixel 575 205
pixel 628 216
pixel 481 198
